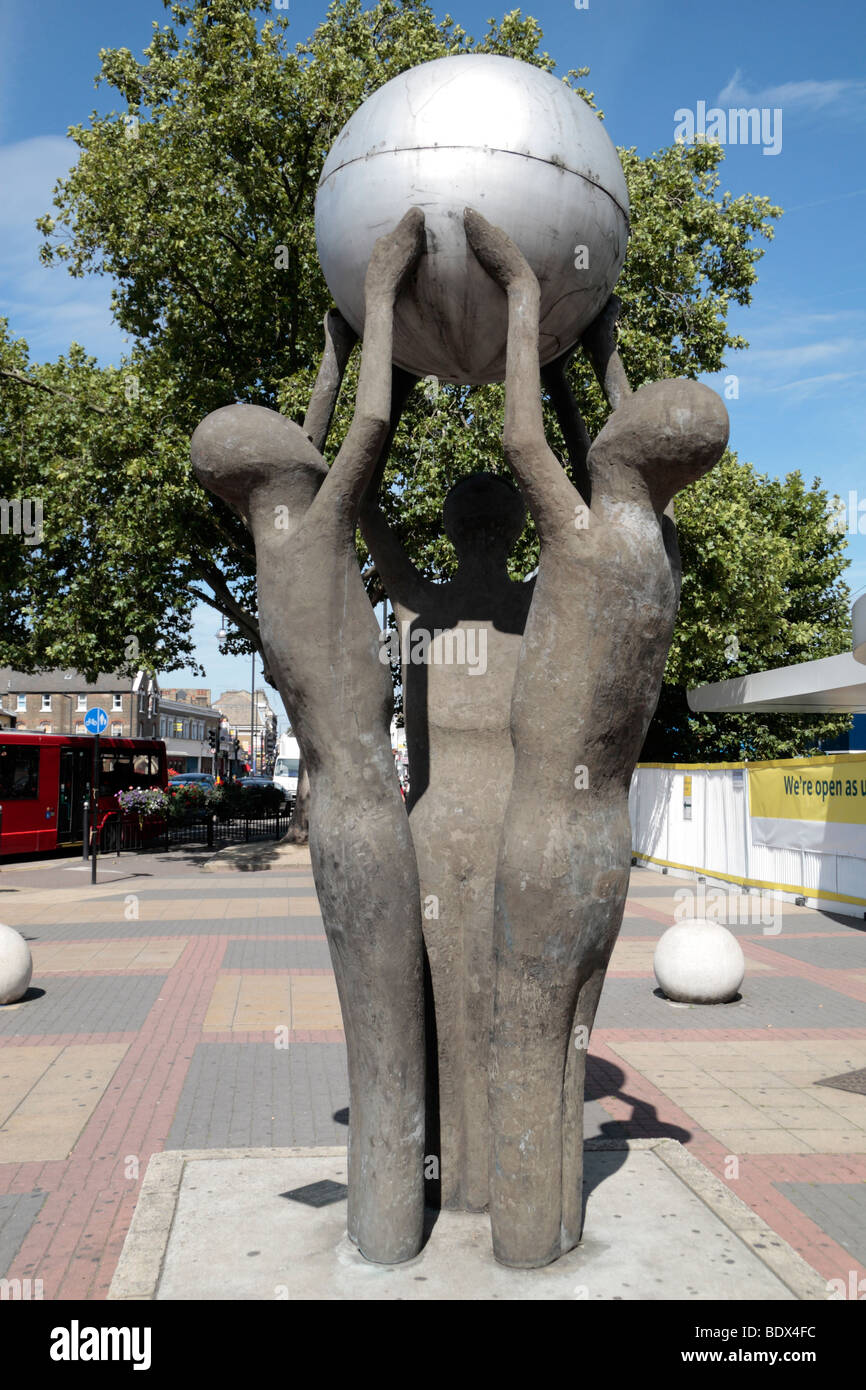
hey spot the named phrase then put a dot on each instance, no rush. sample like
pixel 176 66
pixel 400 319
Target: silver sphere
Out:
pixel 505 138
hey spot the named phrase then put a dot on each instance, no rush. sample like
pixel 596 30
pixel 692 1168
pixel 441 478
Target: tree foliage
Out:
pixel 196 196
pixel 762 588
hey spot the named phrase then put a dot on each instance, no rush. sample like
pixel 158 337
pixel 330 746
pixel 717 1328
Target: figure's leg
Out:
pixel 456 867
pixel 428 822
pixel 559 897
pixel 573 1089
pixel 362 858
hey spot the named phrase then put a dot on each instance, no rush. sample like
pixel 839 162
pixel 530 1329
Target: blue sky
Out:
pixel 801 382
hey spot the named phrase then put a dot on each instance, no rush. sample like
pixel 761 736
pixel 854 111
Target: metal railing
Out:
pixel 125 835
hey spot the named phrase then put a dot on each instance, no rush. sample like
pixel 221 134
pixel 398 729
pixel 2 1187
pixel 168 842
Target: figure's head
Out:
pixel 483 514
pixel 241 450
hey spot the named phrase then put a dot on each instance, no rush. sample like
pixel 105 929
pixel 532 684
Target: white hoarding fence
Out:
pixel 796 826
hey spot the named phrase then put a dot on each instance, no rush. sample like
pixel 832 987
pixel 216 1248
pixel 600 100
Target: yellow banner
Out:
pixel 822 789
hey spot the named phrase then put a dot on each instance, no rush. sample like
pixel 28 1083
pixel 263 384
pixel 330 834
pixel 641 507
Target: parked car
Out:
pixel 259 781
pixel 189 779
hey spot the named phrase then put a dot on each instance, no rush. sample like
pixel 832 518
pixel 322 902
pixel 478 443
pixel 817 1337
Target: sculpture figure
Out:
pixel 459 641
pixel 587 684
pixel 321 642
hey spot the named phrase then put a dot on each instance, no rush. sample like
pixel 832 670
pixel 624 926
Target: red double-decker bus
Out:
pixel 45 780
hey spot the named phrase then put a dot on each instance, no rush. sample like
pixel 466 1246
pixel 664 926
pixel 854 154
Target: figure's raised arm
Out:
pixel 391 264
pixel 599 344
pixel 541 478
pixel 339 341
pixel 403 583
pixel 574 431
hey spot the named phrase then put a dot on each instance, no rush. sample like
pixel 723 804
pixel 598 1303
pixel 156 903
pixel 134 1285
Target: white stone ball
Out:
pixel 699 962
pixel 16 965
pixel 494 134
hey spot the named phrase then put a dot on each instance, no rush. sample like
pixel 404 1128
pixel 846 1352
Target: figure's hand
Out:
pixel 396 255
pixel 599 343
pixel 504 262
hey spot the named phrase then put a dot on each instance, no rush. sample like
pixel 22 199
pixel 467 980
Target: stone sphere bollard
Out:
pixel 699 962
pixel 16 965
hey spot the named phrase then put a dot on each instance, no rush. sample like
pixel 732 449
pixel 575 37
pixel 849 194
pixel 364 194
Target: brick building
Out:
pixel 55 702
pixel 235 705
pixel 198 697
pixel 185 727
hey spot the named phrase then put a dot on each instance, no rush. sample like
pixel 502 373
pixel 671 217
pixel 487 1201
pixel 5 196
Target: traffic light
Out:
pixel 212 738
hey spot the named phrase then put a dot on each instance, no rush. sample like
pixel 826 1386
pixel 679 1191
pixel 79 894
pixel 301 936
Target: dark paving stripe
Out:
pixel 277 955
pixel 768 1002
pixel 638 890
pixel 643 926
pixel 194 895
pixel 218 926
pixel 753 925
pixel 239 1095
pixel 18 1211
pixel 839 1208
pixel 831 952
pixel 84 1004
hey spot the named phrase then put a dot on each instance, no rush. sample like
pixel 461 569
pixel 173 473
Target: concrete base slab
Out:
pixel 218 1225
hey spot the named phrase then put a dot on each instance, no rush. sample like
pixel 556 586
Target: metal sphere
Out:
pixel 505 138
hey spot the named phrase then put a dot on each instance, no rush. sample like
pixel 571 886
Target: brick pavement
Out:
pixel 172 1008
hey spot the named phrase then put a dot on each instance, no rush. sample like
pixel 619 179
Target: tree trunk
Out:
pixel 298 832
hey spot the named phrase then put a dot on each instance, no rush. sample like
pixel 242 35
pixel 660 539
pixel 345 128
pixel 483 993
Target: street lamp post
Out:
pixel 253 718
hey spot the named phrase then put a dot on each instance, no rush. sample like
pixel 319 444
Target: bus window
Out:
pixel 122 770
pixel 19 773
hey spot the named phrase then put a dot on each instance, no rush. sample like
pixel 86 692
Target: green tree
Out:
pixel 197 197
pixel 102 588
pixel 762 588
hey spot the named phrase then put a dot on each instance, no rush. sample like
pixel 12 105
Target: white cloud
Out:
pixel 804 355
pixel 821 366
pixel 809 95
pixel 812 385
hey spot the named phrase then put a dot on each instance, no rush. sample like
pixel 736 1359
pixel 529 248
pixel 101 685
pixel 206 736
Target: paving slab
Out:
pixel 767 1001
pixel 837 1207
pixel 283 925
pixel 18 1211
pixel 82 1004
pixel 827 952
pixel 658 1226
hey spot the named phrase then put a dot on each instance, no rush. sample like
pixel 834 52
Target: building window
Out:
pixel 117 702
pixel 79 728
pixel 46 701
pixel 81 702
pixel 21 702
pixel 45 729
pixel 117 731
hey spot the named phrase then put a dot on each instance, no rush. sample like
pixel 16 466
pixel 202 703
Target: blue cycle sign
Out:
pixel 96 721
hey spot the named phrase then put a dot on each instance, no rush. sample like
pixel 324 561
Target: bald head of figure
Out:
pixel 483 517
